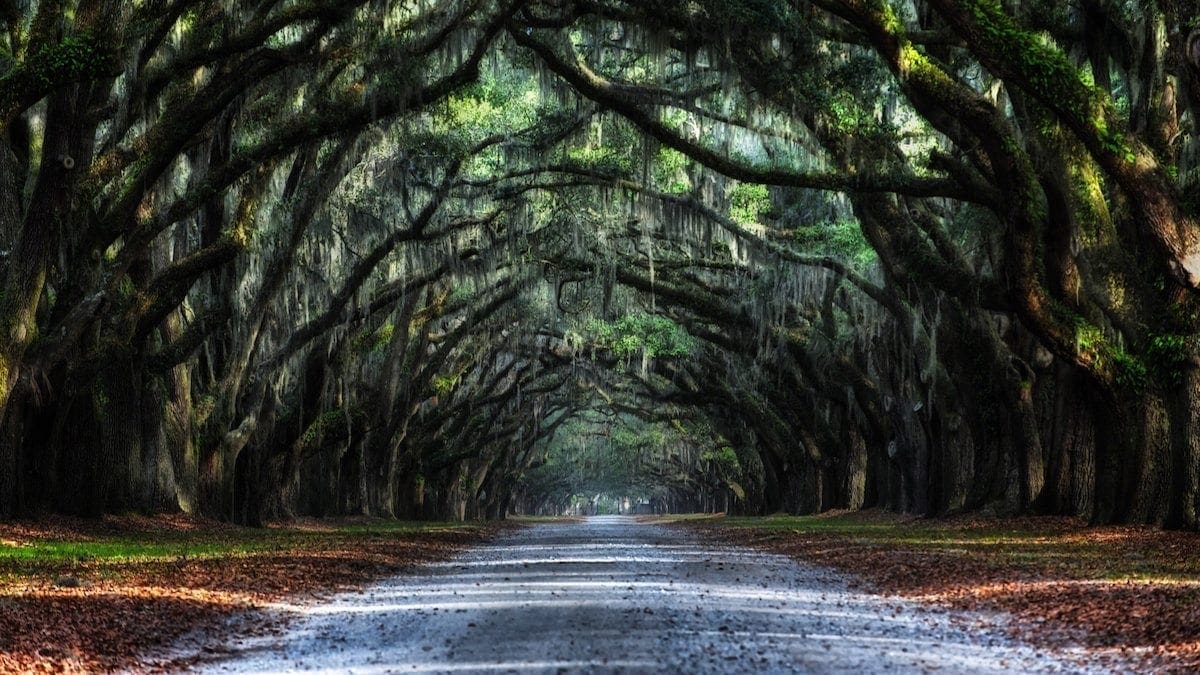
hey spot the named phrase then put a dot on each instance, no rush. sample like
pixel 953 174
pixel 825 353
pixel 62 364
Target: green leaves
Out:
pixel 655 335
pixel 748 202
pixel 840 238
pixel 724 457
pixel 1168 356
pixel 603 160
pixel 374 341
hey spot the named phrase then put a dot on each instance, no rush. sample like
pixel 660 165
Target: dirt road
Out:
pixel 614 595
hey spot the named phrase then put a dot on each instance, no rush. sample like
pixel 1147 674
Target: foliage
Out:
pixel 748 203
pixel 723 458
pixel 842 239
pixel 652 334
pixel 374 341
pixel 865 227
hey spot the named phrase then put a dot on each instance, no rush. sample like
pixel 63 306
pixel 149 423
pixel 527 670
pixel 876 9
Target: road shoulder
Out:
pixel 1128 595
pixel 113 593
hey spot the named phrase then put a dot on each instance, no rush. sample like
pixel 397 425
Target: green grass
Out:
pixel 849 524
pixel 875 528
pixel 116 551
pixel 1077 551
pixel 100 550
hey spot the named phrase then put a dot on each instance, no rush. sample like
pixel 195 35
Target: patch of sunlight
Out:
pixel 117 551
pixel 503 666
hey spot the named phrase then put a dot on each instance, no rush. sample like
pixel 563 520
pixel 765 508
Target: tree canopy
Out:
pixel 470 257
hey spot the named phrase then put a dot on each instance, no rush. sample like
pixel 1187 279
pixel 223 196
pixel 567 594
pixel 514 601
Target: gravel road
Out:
pixel 614 595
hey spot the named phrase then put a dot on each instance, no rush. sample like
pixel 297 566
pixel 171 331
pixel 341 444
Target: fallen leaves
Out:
pixel 1127 591
pixel 113 613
